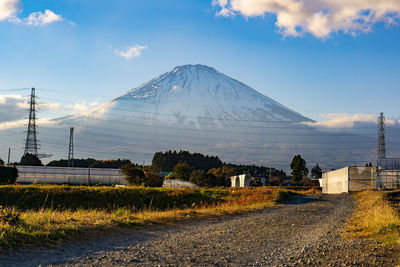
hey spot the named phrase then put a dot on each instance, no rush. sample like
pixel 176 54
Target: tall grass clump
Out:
pixel 375 217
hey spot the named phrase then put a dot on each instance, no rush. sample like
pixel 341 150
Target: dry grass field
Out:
pixel 43 214
pixel 377 216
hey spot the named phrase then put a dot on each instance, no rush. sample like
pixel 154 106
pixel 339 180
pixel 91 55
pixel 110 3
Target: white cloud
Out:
pixel 91 110
pixel 82 107
pixel 224 10
pixel 49 106
pixel 9 10
pixel 22 123
pixel 15 107
pixel 43 106
pixel 4 99
pixel 345 120
pixel 131 52
pixel 40 18
pixel 317 17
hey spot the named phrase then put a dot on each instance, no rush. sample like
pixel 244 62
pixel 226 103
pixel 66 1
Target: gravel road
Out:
pixel 304 231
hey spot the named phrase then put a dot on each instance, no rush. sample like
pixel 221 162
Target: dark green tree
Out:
pixel 8 175
pixel 30 160
pixel 316 172
pixel 153 180
pixel 201 178
pixel 220 176
pixel 182 171
pixel 133 174
pixel 299 169
pixel 1 162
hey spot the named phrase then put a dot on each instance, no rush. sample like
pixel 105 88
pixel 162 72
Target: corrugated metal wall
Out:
pixel 73 176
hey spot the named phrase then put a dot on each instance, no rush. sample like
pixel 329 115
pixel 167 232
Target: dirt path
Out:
pixel 302 232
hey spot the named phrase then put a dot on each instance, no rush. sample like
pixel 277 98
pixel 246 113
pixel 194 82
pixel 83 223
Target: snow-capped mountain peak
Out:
pixel 199 92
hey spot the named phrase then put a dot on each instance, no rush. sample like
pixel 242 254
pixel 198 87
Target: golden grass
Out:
pixel 49 225
pixel 375 218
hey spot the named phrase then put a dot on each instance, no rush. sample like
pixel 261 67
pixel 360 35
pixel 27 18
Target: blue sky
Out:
pixel 330 66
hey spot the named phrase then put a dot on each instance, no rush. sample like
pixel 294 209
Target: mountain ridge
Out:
pixel 203 92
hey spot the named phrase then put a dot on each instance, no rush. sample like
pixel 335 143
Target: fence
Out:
pixel 362 178
pixel 72 176
pixel 388 173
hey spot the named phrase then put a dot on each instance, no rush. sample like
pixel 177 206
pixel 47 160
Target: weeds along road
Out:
pixel 305 231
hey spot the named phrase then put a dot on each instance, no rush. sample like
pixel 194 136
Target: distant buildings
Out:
pixel 245 180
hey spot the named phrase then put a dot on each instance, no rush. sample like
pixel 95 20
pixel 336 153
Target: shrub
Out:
pixel 220 176
pixel 10 216
pixel 133 175
pixel 170 176
pixel 255 182
pixel 153 180
pixel 183 171
pixel 8 175
pixel 34 197
pixel 200 178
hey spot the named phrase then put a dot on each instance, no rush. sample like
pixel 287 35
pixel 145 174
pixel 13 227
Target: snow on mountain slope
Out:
pixel 197 108
pixel 197 94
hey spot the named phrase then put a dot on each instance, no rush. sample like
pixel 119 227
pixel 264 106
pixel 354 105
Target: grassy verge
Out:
pixel 43 214
pixel 377 217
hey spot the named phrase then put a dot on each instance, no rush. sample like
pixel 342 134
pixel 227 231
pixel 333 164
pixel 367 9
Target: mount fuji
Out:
pixel 196 94
pixel 197 108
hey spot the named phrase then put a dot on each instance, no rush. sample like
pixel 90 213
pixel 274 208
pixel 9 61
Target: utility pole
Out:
pixel 9 152
pixel 71 148
pixel 381 137
pixel 31 142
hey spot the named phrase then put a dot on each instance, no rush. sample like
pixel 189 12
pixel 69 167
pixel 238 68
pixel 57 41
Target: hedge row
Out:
pixel 77 197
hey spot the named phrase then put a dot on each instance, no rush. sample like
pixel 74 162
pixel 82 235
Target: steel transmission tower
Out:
pixel 381 137
pixel 31 142
pixel 71 148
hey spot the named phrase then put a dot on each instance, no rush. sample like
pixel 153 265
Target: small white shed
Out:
pixel 241 180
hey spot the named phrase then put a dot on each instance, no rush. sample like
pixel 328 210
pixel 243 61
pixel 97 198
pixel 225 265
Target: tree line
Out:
pixel 33 160
pixel 166 161
pixel 200 169
pixel 91 163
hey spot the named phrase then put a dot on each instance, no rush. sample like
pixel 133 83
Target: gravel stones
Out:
pixel 303 232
